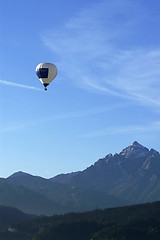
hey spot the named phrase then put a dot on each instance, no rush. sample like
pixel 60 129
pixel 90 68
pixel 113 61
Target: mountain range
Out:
pixel 130 177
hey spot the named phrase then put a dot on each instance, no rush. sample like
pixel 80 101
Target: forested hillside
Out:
pixel 136 222
pixel 11 215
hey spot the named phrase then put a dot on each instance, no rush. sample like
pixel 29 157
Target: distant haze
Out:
pixel 105 95
pixel 130 177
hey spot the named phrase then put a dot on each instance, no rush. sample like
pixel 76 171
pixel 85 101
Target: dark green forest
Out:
pixel 122 223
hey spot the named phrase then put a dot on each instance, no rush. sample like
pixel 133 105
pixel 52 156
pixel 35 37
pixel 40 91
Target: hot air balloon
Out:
pixel 46 72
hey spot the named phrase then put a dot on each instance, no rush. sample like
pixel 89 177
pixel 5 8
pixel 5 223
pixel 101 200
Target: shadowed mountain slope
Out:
pixel 132 176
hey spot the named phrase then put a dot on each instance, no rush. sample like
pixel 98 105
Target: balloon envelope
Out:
pixel 46 72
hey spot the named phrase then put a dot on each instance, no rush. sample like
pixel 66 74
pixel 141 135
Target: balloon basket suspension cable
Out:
pixel 45 86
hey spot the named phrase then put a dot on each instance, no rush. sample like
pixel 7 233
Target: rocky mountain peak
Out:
pixel 153 151
pixel 135 150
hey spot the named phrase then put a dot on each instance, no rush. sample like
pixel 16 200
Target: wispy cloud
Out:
pixel 68 115
pixel 121 130
pixel 107 48
pixel 19 85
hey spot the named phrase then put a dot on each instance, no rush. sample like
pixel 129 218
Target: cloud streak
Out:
pixel 68 115
pixel 103 49
pixel 13 84
pixel 121 130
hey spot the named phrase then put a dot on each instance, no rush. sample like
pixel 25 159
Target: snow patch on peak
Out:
pixel 108 157
pixel 153 177
pixel 135 150
pixel 147 165
pixel 136 145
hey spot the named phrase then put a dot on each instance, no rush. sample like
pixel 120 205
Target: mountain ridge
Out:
pixel 124 170
pixel 129 177
pixel 71 198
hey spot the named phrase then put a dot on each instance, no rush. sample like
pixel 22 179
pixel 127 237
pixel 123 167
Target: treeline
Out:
pixel 136 222
pixel 11 215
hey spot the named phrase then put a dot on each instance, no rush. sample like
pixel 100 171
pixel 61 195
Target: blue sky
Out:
pixel 106 93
